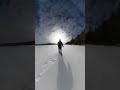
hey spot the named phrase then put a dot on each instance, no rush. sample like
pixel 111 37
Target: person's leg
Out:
pixel 61 52
pixel 58 49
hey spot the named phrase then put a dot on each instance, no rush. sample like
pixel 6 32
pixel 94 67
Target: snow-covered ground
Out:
pixel 16 67
pixel 56 72
pixel 102 67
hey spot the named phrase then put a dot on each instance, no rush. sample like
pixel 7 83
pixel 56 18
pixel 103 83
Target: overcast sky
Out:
pixel 18 17
pixel 99 10
pixel 16 21
pixel 59 16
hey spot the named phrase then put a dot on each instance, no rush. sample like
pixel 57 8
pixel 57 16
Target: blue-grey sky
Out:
pixel 16 21
pixel 99 10
pixel 55 19
pixel 17 18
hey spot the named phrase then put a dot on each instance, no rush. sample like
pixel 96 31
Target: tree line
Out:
pixel 106 34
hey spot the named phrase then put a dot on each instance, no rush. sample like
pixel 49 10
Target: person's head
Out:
pixel 59 40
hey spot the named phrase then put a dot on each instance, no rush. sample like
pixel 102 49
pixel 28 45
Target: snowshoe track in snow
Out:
pixel 45 67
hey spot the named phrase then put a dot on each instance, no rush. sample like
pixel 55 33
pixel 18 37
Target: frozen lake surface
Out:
pixel 17 67
pixel 56 72
pixel 53 72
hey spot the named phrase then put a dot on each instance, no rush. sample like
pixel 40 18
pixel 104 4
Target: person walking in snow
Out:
pixel 60 45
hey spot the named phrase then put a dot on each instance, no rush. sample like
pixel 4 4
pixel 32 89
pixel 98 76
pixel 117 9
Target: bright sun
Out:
pixel 57 35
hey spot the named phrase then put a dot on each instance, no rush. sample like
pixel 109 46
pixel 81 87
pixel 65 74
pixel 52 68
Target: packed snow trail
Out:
pixel 44 68
pixel 65 77
pixel 56 72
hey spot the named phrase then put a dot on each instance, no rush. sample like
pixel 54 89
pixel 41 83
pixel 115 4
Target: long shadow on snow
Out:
pixel 65 77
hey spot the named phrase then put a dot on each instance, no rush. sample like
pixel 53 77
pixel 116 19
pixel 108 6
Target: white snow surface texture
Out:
pixel 56 72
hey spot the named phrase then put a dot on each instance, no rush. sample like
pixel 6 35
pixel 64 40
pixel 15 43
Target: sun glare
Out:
pixel 57 35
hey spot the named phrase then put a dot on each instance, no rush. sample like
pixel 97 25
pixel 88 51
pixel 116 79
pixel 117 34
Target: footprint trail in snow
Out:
pixel 45 67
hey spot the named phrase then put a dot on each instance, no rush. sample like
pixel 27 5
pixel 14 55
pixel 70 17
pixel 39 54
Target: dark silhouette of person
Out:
pixel 60 45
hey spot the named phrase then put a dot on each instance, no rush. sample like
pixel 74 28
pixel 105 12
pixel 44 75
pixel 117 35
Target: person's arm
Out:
pixel 62 45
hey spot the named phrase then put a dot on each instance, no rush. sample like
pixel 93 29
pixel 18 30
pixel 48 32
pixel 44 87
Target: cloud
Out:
pixel 65 14
pixel 16 21
pixel 99 10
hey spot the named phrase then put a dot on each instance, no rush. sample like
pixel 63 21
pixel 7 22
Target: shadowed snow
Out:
pixel 56 72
